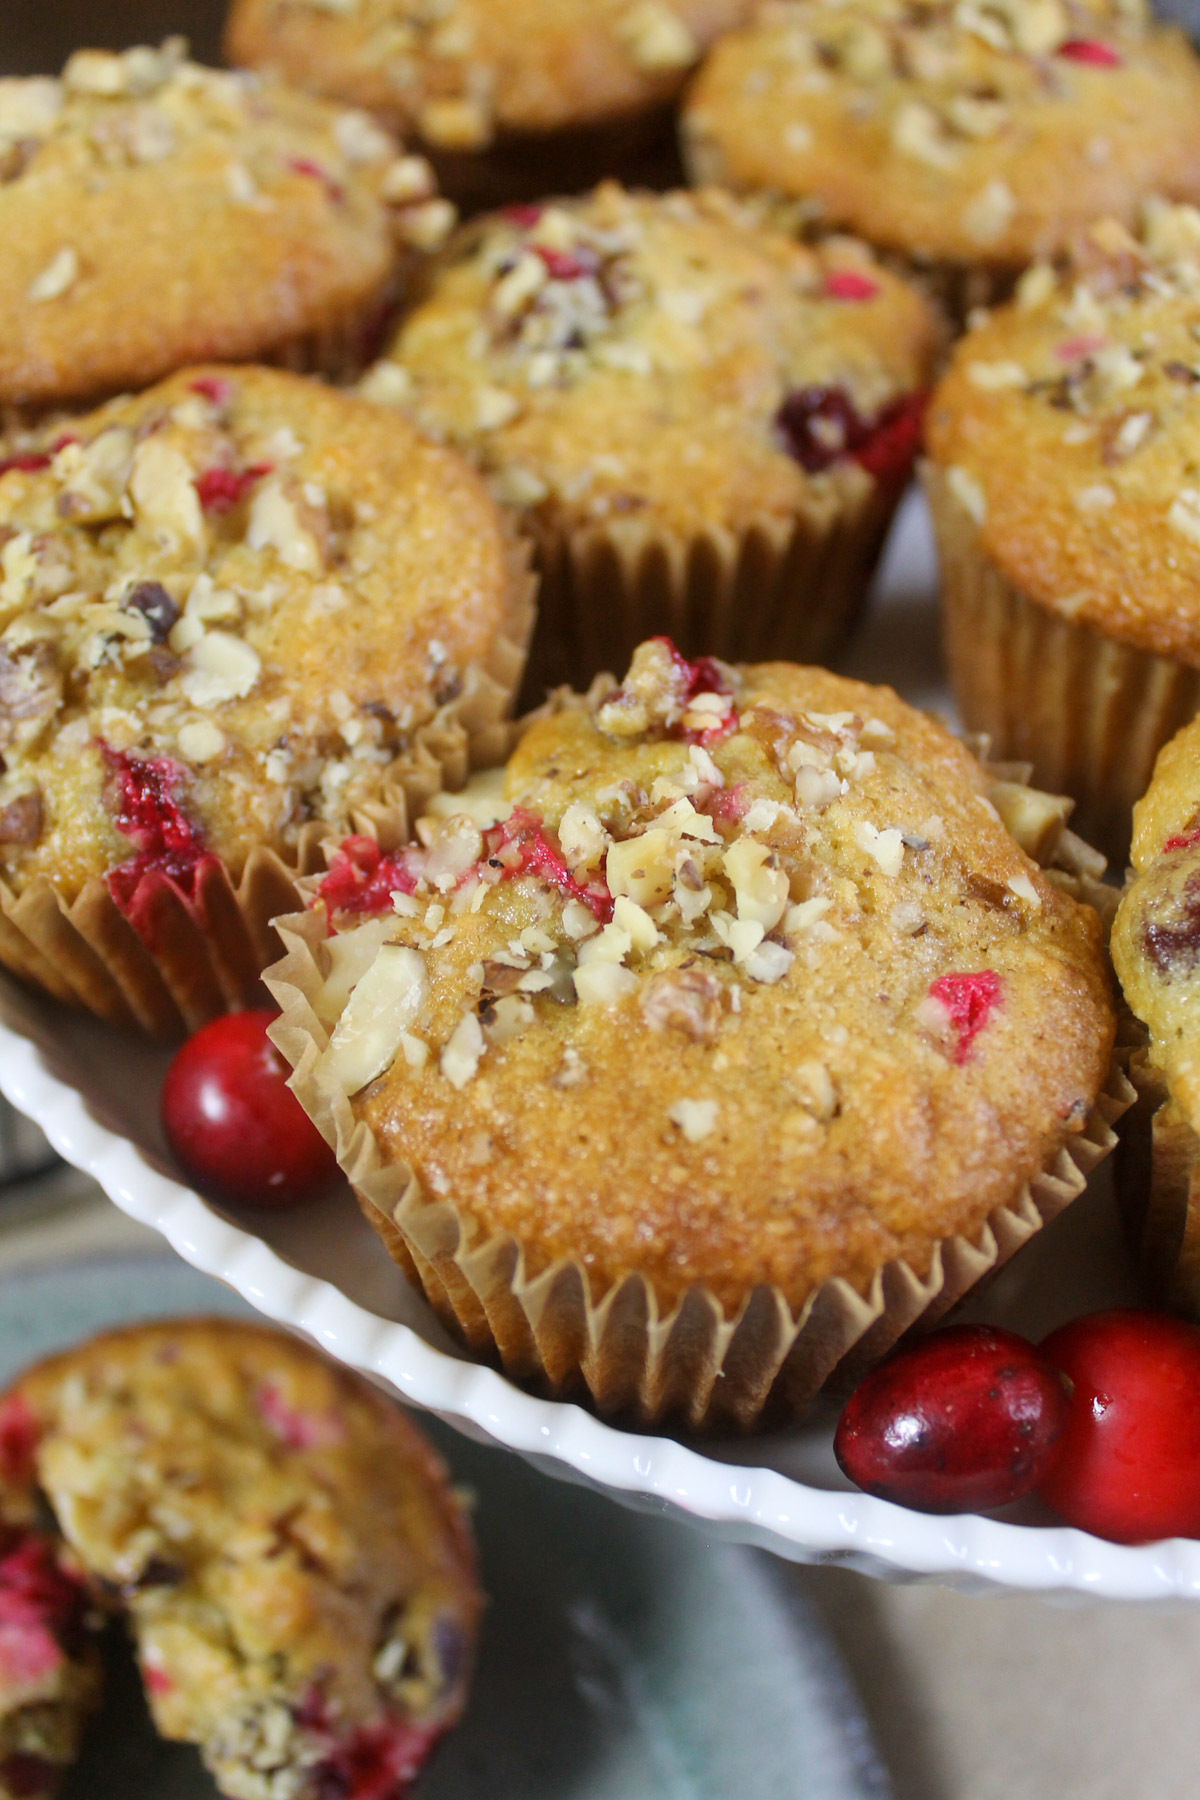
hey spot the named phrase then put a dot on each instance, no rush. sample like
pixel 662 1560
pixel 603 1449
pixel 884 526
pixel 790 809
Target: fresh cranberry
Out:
pixel 1130 1463
pixel 821 426
pixel 233 1122
pixel 523 217
pixel 701 676
pixel 1090 50
pixel 362 879
pixel 969 1002
pixel 850 284
pixel 1078 349
pixel 378 1763
pixel 220 490
pixel 969 1419
pixel 727 805
pixel 299 1429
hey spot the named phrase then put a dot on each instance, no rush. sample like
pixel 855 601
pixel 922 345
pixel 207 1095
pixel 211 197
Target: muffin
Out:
pixel 236 612
pixel 966 140
pixel 508 100
pixel 49 1656
pixel 1156 949
pixel 704 426
pixel 155 214
pixel 747 1036
pixel 297 1577
pixel 1063 449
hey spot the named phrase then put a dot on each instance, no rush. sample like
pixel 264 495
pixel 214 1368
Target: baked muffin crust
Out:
pixel 297 1575
pixel 752 987
pixel 1066 426
pixel 226 607
pixel 156 213
pixel 665 359
pixel 952 133
pixel 463 72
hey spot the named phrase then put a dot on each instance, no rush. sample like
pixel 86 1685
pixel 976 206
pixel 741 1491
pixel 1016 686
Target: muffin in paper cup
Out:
pixel 703 426
pixel 964 141
pixel 156 213
pixel 725 1037
pixel 1156 951
pixel 241 612
pixel 509 99
pixel 1063 445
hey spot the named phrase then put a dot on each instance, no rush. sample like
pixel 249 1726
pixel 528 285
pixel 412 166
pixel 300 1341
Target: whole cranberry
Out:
pixel 968 1419
pixel 1129 1469
pixel 233 1122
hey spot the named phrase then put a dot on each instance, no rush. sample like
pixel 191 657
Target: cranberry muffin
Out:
pixel 296 1573
pixel 155 213
pixel 965 139
pixel 509 100
pixel 703 426
pixel 745 1036
pixel 49 1626
pixel 1156 950
pixel 235 613
pixel 1063 445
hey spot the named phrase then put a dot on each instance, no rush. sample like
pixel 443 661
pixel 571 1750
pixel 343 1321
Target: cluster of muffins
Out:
pixel 691 1038
pixel 283 1548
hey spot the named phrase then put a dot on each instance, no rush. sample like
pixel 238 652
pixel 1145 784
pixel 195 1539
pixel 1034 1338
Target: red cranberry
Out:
pixel 1130 1463
pixel 1090 50
pixel 234 1124
pixel 967 1420
pixel 536 855
pixel 304 165
pixel 378 1763
pixel 220 490
pixel 821 426
pixel 969 1002
pixel 362 879
pixel 145 791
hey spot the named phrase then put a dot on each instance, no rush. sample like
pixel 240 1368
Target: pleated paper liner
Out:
pixel 1158 1186
pixel 1090 714
pixel 193 957
pixel 781 587
pixel 693 1362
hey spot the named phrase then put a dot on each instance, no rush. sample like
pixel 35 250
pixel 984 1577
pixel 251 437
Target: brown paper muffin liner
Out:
pixel 1089 713
pixel 788 588
pixel 692 1362
pixel 1158 1186
pixel 193 958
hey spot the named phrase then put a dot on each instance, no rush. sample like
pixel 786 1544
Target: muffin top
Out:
pixel 459 73
pixel 664 357
pixel 1067 426
pixel 953 131
pixel 750 985
pixel 155 213
pixel 298 1576
pixel 1156 933
pixel 225 608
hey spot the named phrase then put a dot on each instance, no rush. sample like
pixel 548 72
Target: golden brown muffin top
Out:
pixel 284 1542
pixel 751 986
pixel 1156 933
pixel 459 73
pixel 662 356
pixel 155 213
pixel 241 593
pixel 953 131
pixel 1067 426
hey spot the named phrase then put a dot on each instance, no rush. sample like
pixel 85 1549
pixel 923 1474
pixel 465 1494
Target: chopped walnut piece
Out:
pixel 685 999
pixel 21 819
